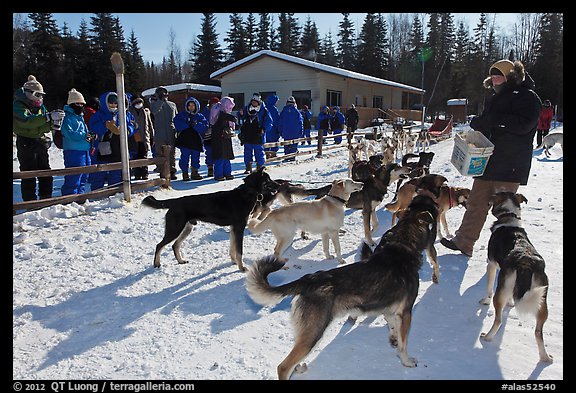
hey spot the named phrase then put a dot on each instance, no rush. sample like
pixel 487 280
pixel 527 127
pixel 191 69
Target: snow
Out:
pixel 88 304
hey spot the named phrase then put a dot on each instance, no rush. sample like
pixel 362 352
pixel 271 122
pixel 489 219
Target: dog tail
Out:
pixel 527 297
pixel 256 226
pixel 258 287
pixel 154 203
pixel 406 157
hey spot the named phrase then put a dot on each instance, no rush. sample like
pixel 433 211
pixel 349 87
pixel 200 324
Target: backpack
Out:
pixel 57 138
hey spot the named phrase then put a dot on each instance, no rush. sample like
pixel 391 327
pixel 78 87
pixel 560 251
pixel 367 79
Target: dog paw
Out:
pixel 434 278
pixel 341 261
pixel 546 358
pixel 301 368
pixel 485 301
pixel 485 337
pixel 410 362
pixel 393 342
pixel 182 262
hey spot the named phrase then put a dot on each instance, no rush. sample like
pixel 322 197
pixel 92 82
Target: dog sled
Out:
pixel 441 128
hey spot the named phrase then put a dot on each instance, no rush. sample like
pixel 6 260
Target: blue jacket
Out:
pixel 98 126
pixel 306 116
pixel 273 135
pixel 190 127
pixel 323 122
pixel 290 123
pixel 74 131
pixel 337 120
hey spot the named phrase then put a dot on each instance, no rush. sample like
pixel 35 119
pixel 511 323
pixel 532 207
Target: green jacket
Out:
pixel 28 121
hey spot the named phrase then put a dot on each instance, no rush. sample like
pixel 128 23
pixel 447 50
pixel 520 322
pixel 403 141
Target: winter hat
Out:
pixel 305 107
pixel 227 104
pixel 136 100
pixel 514 72
pixel 214 100
pixel 161 91
pixel 256 97
pixel 33 85
pixel 501 67
pixel 75 97
pixel 290 100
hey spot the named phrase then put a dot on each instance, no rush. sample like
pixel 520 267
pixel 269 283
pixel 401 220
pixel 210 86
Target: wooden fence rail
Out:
pixel 159 160
pixel 164 180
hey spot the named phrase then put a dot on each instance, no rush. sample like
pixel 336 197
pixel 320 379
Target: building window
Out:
pixel 411 100
pixel 303 97
pixel 265 94
pixel 238 100
pixel 377 102
pixel 333 98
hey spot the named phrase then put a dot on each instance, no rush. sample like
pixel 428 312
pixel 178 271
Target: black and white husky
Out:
pixel 521 277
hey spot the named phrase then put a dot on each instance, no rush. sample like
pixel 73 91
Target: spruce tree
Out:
pixel 236 39
pixel 207 55
pixel 346 47
pixel 310 41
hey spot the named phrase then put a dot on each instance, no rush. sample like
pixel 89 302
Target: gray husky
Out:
pixel 385 283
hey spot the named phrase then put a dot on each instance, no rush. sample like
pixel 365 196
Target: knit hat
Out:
pixel 290 100
pixel 501 67
pixel 256 97
pixel 161 91
pixel 75 97
pixel 214 100
pixel 33 85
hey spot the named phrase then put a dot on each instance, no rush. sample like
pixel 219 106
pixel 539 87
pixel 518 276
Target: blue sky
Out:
pixel 153 29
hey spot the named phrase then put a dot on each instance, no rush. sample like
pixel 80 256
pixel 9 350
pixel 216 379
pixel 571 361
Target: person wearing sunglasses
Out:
pixel 32 124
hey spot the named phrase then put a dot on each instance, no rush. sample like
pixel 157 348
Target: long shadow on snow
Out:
pixel 100 315
pixel 444 336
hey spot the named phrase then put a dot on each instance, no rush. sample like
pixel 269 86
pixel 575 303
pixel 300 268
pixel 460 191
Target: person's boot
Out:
pixel 248 168
pixel 185 176
pixel 195 175
pixel 210 170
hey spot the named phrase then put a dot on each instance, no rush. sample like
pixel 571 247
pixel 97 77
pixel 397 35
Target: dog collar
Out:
pixel 508 214
pixel 337 198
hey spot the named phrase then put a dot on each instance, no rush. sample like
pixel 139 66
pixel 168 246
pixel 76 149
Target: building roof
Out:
pixel 312 64
pixel 457 101
pixel 184 86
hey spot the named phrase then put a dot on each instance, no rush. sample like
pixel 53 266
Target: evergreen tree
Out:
pixel 460 73
pixel 346 47
pixel 251 32
pixel 135 72
pixel 310 42
pixel 327 53
pixel 207 55
pixel 548 68
pixel 264 31
pixel 373 47
pixel 45 57
pixel 104 42
pixel 236 39
pixel 289 34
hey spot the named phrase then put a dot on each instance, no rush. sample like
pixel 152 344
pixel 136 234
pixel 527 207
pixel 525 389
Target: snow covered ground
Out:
pixel 88 305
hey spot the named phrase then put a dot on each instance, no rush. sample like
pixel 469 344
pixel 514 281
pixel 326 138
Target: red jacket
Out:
pixel 545 118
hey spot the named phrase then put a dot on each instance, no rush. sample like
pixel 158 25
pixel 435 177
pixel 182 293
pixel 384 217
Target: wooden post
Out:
pixel 320 142
pixel 118 68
